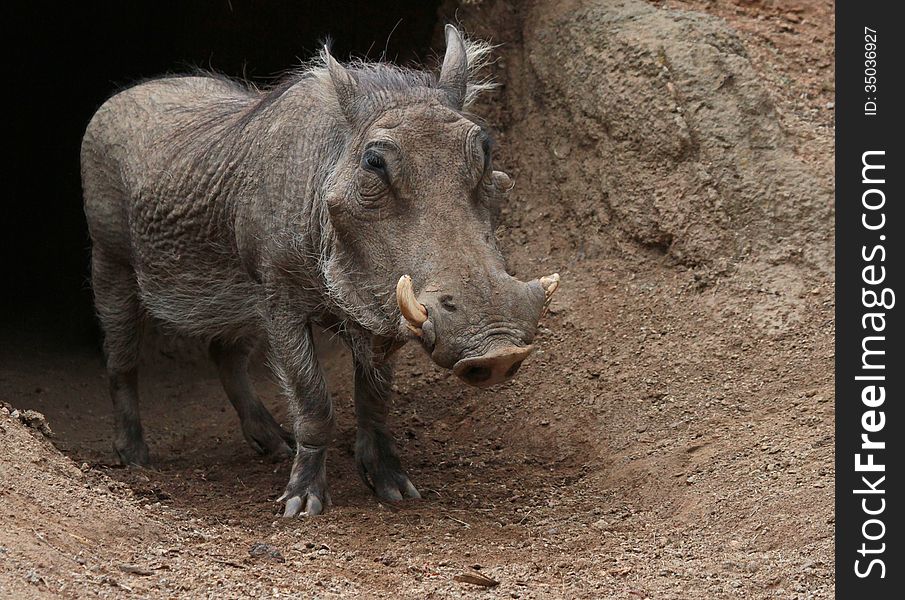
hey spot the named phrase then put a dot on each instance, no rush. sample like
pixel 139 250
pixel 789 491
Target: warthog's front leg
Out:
pixel 296 365
pixel 375 452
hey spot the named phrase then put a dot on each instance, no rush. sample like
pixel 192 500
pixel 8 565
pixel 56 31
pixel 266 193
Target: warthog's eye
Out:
pixel 373 161
pixel 487 147
pixel 374 179
pixel 479 153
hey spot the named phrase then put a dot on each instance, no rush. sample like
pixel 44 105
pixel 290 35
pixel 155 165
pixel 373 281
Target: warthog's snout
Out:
pixel 484 338
pixel 497 366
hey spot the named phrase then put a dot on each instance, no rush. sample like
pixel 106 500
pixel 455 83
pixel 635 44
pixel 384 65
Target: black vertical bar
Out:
pixel 870 225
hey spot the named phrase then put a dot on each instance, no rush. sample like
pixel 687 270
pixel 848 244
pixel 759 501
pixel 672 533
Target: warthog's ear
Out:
pixel 454 73
pixel 343 84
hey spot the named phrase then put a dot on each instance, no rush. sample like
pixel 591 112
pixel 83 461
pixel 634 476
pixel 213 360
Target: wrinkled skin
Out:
pixel 244 218
pixel 429 153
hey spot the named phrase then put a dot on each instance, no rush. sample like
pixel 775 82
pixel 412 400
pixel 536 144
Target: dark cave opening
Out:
pixel 67 63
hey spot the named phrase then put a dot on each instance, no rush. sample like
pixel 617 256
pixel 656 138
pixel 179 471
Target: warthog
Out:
pixel 360 198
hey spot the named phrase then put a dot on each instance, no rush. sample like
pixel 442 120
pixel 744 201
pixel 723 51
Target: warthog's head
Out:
pixel 413 203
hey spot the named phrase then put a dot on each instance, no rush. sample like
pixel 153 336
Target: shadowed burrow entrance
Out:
pixel 72 61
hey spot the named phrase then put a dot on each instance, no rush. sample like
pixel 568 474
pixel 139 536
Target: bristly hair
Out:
pixel 478 53
pixel 377 77
pixel 380 79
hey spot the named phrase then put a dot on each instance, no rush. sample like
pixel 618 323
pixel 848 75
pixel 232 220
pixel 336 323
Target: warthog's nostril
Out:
pixel 493 367
pixel 475 375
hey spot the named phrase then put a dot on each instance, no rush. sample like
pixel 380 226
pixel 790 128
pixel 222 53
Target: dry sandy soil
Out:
pixel 671 438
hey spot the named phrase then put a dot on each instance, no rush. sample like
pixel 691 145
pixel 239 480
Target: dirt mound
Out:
pixel 671 438
pixel 652 125
pixel 59 512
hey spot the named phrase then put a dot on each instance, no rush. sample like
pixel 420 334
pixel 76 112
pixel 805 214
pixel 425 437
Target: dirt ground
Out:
pixel 672 437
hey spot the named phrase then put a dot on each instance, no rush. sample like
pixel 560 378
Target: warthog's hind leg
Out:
pixel 260 429
pixel 119 311
pixel 375 452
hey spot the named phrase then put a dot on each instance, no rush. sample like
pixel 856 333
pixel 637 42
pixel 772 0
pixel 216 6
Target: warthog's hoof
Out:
pixel 132 453
pixel 395 487
pixel 305 504
pixel 381 471
pixel 306 494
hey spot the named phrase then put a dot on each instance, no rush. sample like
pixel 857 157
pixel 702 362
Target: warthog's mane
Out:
pixel 376 80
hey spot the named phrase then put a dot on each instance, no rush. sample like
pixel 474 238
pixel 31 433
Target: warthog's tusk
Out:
pixel 413 311
pixel 550 283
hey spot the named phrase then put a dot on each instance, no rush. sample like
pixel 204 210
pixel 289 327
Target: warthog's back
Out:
pixel 157 192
